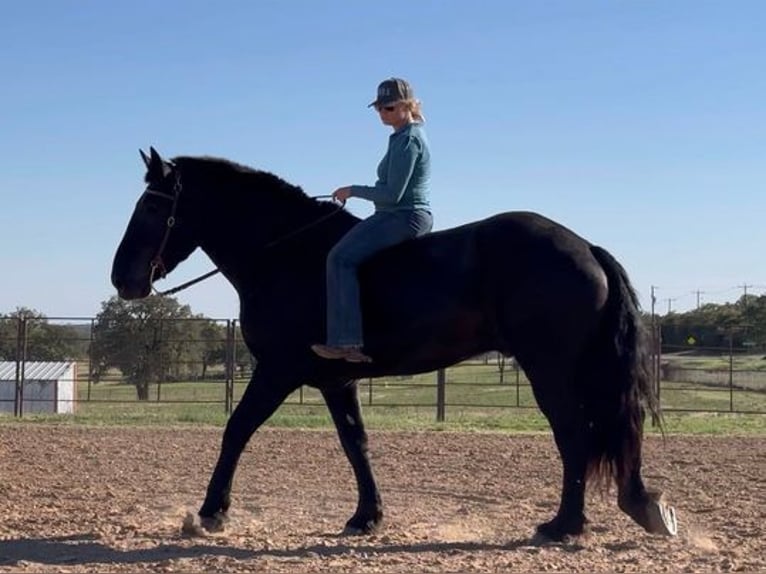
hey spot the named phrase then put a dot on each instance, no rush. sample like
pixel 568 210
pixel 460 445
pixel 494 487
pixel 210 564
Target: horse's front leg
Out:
pixel 262 397
pixel 346 413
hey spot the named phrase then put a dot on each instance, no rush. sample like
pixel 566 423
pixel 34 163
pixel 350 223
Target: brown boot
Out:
pixel 352 354
pixel 355 355
pixel 329 352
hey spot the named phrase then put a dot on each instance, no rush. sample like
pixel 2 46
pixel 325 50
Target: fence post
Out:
pixel 658 360
pixel 441 383
pixel 731 372
pixel 21 359
pixel 231 361
pixel 369 391
pixel 90 358
pixel 158 339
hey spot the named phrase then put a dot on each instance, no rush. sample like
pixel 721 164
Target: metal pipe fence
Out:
pixel 198 361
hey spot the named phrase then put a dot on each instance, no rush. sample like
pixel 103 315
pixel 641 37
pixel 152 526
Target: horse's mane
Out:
pixel 224 172
pixel 262 191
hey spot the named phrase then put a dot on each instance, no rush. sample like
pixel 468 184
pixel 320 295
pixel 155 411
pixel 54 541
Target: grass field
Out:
pixel 720 361
pixel 475 400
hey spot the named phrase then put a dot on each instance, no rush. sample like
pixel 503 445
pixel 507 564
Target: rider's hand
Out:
pixel 342 194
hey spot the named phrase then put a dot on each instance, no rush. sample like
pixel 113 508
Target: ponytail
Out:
pixel 416 109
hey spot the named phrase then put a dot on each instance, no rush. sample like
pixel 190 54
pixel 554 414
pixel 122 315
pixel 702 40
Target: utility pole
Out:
pixel 670 301
pixel 698 292
pixel 744 293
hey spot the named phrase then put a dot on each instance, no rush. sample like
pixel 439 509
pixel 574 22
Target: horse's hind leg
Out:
pixel 570 519
pixel 648 509
pixel 346 413
pixel 565 416
pixel 261 398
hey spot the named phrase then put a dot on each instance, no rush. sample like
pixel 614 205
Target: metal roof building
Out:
pixel 46 387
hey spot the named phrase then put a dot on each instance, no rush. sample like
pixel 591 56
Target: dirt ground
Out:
pixel 88 499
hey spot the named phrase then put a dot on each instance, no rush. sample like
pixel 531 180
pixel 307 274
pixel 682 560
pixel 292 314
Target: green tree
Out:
pixel 44 340
pixel 213 349
pixel 149 340
pixel 712 326
pixel 8 337
pixel 243 360
pixel 213 345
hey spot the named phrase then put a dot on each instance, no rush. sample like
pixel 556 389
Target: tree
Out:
pixel 8 337
pixel 44 341
pixel 148 340
pixel 213 343
pixel 213 348
pixel 741 324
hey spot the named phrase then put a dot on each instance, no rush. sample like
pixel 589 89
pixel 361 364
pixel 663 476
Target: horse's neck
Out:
pixel 240 232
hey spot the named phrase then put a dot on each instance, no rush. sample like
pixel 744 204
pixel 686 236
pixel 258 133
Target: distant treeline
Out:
pixel 740 325
pixel 158 338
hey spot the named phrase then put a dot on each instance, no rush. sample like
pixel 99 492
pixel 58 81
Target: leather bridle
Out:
pixel 157 263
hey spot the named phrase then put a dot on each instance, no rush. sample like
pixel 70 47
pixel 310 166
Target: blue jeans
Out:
pixel 380 230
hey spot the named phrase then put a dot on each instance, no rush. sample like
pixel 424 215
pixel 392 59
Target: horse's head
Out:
pixel 159 235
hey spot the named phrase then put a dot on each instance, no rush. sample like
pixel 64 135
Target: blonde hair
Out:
pixel 415 108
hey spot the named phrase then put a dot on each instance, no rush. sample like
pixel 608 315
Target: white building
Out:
pixel 48 386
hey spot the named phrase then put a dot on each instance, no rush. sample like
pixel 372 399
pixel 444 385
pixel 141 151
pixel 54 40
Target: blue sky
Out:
pixel 639 124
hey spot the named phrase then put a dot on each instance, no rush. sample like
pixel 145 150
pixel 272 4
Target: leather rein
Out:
pixel 158 269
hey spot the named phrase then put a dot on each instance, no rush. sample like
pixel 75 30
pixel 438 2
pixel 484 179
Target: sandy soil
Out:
pixel 77 499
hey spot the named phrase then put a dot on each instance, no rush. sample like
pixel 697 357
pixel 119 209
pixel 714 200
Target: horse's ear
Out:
pixel 146 159
pixel 156 160
pixel 155 156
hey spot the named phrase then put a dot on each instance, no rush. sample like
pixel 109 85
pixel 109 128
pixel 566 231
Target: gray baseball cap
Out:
pixel 393 90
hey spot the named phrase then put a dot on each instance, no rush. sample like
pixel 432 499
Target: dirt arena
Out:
pixel 88 499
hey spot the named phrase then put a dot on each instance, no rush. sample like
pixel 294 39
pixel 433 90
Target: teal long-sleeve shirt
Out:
pixel 404 173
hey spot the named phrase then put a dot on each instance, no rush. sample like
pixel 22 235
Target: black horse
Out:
pixel 517 283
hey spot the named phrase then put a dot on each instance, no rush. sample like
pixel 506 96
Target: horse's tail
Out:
pixel 617 380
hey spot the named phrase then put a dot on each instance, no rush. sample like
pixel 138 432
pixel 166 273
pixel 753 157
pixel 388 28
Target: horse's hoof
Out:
pixel 360 527
pixel 558 531
pixel 546 535
pixel 661 518
pixel 190 527
pixel 214 523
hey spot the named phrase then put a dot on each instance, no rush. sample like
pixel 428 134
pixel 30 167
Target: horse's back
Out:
pixel 468 286
pixel 516 243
